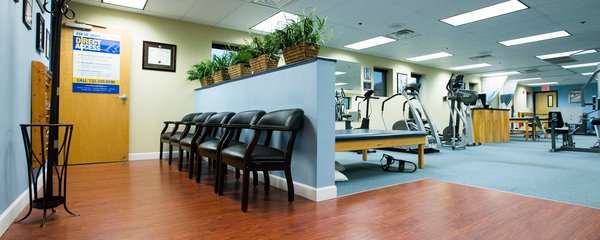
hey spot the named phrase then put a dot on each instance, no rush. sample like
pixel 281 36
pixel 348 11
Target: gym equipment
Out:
pixel 388 164
pixel 366 97
pixel 558 126
pixel 417 118
pixel 459 100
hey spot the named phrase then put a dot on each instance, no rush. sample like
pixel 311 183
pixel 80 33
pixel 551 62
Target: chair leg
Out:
pixel 222 171
pixel 254 178
pixel 245 189
pixel 290 184
pixel 191 167
pixel 237 173
pixel 199 168
pixel 180 167
pixel 170 154
pixel 267 181
pixel 160 151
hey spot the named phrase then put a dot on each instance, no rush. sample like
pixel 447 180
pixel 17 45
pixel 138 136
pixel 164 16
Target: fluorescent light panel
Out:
pixel 536 38
pixel 340 73
pixel 501 74
pixel 542 84
pixel 138 4
pixel 430 56
pixel 526 79
pixel 479 65
pixel 341 84
pixel 581 65
pixel 587 74
pixel 370 43
pixel 486 12
pixel 275 22
pixel 566 54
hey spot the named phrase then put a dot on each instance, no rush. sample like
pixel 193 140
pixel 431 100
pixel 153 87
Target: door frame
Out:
pixel 535 93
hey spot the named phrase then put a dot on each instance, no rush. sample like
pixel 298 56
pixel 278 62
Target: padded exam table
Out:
pixel 363 139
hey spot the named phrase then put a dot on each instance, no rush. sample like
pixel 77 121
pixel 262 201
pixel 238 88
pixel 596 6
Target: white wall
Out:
pixel 520 99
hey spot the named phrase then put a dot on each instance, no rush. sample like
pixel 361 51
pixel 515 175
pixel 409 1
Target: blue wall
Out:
pixel 17 50
pixel 563 94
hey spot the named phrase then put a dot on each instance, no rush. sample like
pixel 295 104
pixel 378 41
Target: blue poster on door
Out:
pixel 96 62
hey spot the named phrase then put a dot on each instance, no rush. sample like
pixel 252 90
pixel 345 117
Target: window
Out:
pixel 380 82
pixel 220 49
pixel 415 78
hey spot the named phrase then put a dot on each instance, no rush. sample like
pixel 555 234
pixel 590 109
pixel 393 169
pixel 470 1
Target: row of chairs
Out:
pixel 218 137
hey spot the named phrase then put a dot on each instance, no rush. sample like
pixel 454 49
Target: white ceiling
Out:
pixel 356 20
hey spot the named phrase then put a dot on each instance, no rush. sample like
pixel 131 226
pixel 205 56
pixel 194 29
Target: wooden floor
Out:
pixel 152 200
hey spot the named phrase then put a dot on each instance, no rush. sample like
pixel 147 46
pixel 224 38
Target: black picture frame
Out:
pixel 159 56
pixel 27 14
pixel 47 43
pixel 575 96
pixel 40 36
pixel 401 78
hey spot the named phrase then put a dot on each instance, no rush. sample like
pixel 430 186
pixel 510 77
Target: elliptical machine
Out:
pixel 364 124
pixel 417 118
pixel 459 100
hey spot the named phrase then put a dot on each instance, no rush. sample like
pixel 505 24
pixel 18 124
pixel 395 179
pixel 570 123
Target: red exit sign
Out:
pixel 546 88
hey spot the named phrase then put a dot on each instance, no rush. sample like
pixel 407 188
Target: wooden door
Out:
pixel 544 101
pixel 98 109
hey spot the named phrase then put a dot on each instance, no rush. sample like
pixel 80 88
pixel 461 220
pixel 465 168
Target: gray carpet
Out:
pixel 520 167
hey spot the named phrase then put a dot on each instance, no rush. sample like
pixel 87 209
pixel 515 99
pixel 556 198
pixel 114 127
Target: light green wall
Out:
pixel 158 96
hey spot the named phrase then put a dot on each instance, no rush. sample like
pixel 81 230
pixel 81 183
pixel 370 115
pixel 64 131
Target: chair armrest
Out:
pixel 267 127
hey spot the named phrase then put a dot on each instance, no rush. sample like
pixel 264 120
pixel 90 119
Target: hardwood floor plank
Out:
pixel 152 200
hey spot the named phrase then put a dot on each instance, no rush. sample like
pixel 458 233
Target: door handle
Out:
pixel 123 97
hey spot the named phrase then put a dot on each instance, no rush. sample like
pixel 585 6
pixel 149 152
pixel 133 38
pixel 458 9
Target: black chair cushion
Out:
pixel 261 154
pixel 558 130
pixel 187 142
pixel 281 120
pixel 595 121
pixel 245 119
pixel 211 146
pixel 165 136
pixel 176 137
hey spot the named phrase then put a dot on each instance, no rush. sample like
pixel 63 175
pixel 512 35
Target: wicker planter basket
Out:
pixel 220 76
pixel 206 81
pixel 239 70
pixel 299 52
pixel 262 63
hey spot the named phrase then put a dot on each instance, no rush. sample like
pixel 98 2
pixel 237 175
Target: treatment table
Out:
pixel 363 139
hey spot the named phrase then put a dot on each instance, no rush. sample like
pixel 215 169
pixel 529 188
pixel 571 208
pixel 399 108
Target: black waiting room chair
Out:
pixel 211 149
pixel 171 128
pixel 213 131
pixel 262 157
pixel 190 142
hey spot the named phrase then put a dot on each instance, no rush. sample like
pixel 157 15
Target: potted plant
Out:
pixel 265 52
pixel 202 72
pixel 240 62
pixel 301 37
pixel 220 64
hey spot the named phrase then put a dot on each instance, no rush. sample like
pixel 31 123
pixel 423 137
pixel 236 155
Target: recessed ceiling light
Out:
pixel 542 84
pixel 566 54
pixel 581 65
pixel 340 73
pixel 275 22
pixel 370 43
pixel 486 12
pixel 536 38
pixel 525 79
pixel 479 65
pixel 501 74
pixel 138 4
pixel 430 56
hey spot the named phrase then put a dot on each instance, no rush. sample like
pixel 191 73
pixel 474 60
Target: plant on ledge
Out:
pixel 220 64
pixel 240 62
pixel 265 52
pixel 301 37
pixel 202 72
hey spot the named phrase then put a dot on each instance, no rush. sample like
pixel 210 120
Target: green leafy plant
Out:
pixel 221 62
pixel 242 55
pixel 307 28
pixel 200 70
pixel 265 44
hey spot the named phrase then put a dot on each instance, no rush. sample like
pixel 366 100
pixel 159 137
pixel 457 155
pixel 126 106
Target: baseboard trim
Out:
pixel 300 189
pixel 12 212
pixel 150 156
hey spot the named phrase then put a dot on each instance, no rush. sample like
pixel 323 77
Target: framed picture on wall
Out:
pixel 401 81
pixel 366 85
pixel 159 56
pixel 27 14
pixel 40 36
pixel 575 96
pixel 367 73
pixel 47 44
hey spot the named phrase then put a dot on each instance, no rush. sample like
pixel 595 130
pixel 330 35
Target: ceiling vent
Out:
pixel 403 34
pixel 560 60
pixel 531 70
pixel 481 57
pixel 278 4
